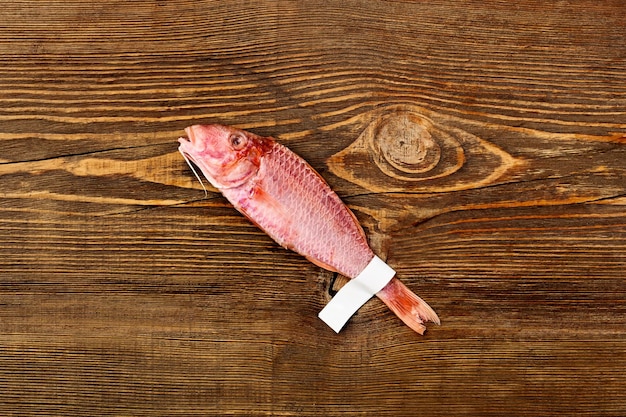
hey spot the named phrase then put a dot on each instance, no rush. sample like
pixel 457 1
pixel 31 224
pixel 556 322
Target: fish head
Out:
pixel 228 157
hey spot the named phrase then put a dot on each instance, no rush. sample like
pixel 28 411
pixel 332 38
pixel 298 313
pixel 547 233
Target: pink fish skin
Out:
pixel 285 197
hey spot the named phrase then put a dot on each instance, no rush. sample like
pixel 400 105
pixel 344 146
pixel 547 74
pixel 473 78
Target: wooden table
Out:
pixel 481 144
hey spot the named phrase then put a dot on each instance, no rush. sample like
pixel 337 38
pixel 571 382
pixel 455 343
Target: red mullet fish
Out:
pixel 285 197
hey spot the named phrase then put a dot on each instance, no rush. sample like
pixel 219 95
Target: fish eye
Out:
pixel 237 141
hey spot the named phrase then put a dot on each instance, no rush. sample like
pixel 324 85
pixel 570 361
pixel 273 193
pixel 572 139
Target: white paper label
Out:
pixel 355 293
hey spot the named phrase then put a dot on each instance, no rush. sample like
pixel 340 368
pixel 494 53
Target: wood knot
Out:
pixel 405 145
pixel 415 150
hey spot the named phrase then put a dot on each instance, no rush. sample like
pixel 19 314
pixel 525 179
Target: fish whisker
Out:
pixel 187 159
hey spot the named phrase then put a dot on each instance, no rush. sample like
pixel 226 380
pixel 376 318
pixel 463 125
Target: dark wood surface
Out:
pixel 481 144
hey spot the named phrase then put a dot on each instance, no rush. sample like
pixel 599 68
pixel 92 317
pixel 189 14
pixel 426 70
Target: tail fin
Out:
pixel 411 309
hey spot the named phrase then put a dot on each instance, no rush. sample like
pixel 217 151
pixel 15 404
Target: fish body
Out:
pixel 285 197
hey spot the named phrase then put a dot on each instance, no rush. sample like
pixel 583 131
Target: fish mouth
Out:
pixel 185 146
pixel 190 135
pixel 184 141
pixel 187 141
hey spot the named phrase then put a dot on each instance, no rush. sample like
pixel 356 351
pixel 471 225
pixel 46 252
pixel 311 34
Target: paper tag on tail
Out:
pixel 355 293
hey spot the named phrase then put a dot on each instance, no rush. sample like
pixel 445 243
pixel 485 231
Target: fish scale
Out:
pixel 316 217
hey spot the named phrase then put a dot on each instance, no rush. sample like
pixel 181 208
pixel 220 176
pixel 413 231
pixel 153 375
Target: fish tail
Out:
pixel 411 309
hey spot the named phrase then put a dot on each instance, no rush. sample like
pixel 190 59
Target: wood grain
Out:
pixel 481 144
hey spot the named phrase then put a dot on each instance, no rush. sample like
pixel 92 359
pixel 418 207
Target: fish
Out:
pixel 284 196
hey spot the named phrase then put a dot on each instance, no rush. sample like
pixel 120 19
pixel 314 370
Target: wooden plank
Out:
pixel 481 144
